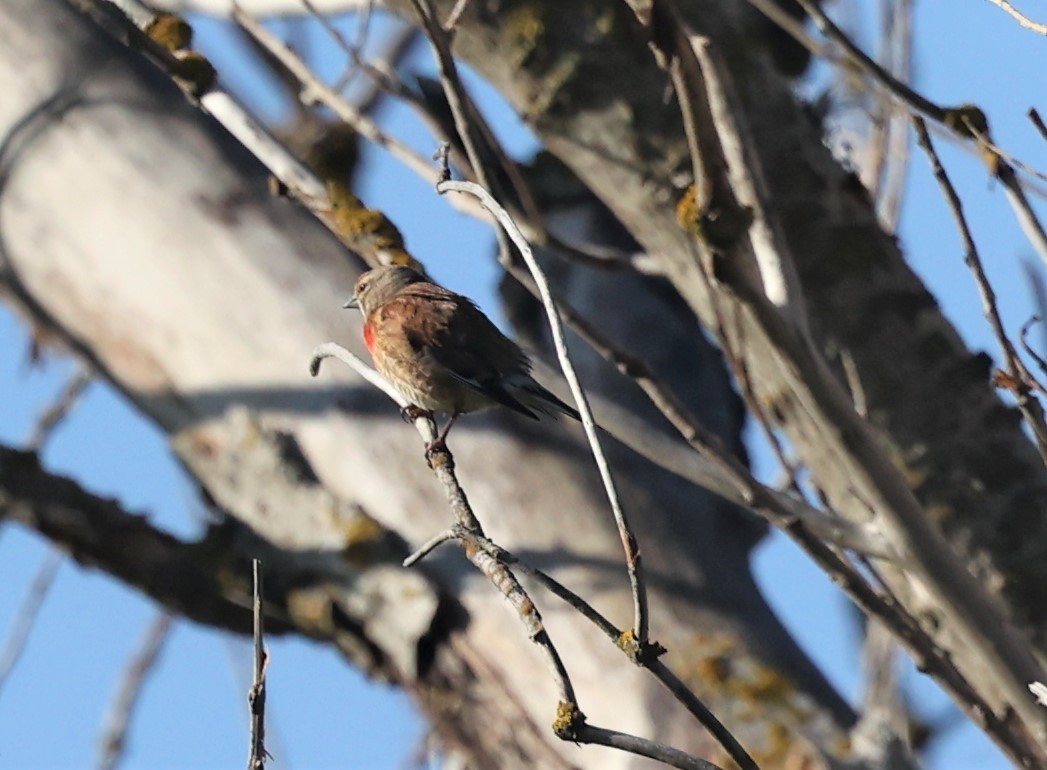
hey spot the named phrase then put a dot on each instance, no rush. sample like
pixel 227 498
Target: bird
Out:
pixel 441 353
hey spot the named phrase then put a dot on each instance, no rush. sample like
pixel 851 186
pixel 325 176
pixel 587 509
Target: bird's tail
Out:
pixel 527 390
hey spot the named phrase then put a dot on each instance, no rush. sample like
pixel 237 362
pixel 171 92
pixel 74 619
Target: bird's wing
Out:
pixel 462 341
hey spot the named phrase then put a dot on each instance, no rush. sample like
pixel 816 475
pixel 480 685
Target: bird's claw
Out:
pixel 435 447
pixel 410 413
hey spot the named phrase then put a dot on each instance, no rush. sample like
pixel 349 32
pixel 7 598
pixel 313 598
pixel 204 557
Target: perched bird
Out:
pixel 441 352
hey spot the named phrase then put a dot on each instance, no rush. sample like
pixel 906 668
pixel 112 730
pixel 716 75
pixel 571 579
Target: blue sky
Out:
pixel 323 714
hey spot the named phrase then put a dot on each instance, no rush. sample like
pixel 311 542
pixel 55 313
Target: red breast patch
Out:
pixel 369 337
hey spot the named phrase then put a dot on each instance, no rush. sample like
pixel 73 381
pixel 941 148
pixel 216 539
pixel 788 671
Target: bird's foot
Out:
pixel 410 413
pixel 436 445
pixel 438 448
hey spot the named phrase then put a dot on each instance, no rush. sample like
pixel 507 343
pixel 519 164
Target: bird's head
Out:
pixel 380 285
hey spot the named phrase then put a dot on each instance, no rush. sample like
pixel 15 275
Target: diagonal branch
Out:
pixel 1021 18
pixel 492 562
pixel 1021 381
pixel 114 737
pixel 27 614
pixel 632 552
pixel 999 647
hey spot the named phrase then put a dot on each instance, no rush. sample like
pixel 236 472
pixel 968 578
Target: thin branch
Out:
pixel 29 611
pixel 600 736
pixel 353 51
pixel 394 48
pixel 722 150
pixel 481 145
pixel 1020 377
pixel 892 188
pixel 793 27
pixel 1018 16
pixel 646 657
pixel 550 583
pixel 456 13
pixel 1037 121
pixel 906 94
pixel 317 90
pixel 902 90
pixel 669 454
pixel 1027 218
pixel 875 156
pixel 442 463
pixel 632 551
pixel 493 561
pixel 432 544
pixel 256 695
pixel 881 734
pixel 58 411
pixel 1039 293
pixel 1000 163
pixel 114 738
pixel 334 350
pixel 1023 336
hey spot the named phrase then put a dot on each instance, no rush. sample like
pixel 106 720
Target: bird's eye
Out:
pixel 361 288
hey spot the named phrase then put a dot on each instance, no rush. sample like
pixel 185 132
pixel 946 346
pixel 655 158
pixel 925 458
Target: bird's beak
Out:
pixel 352 302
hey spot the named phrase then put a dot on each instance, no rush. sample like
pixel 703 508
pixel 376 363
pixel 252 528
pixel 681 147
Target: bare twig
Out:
pixel 881 733
pixel 256 695
pixel 1023 335
pixel 315 89
pixel 993 642
pixel 141 664
pixel 456 13
pixel 793 27
pixel 671 455
pixel 320 91
pixel 493 561
pixel 632 551
pixel 57 411
pixel 1023 210
pixel 586 733
pixel 353 51
pixel 442 464
pixel 491 165
pixel 646 658
pixel 891 187
pixel 999 163
pixel 1018 16
pixel 1037 121
pixel 905 93
pixel 430 545
pixel 29 611
pixel 882 109
pixel 333 350
pixel 1020 377
pixel 722 151
pixel 1039 293
pixel 395 47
